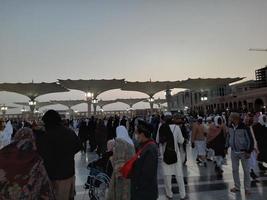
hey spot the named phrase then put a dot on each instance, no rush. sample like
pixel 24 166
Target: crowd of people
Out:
pixel 37 158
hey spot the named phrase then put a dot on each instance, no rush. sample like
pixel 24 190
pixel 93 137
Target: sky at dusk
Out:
pixel 136 40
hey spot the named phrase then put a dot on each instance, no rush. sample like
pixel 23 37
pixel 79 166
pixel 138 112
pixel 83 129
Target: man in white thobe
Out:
pixel 176 168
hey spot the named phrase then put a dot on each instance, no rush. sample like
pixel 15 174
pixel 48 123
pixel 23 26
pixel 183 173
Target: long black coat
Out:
pixel 58 145
pixel 260 133
pixel 83 132
pixel 144 183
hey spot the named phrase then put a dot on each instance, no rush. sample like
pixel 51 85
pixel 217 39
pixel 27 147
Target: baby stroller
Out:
pixel 98 180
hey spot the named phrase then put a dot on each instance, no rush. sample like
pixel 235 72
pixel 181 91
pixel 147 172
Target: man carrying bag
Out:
pixel 169 137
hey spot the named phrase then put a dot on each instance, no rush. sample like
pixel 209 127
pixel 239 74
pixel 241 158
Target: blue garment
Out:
pixel 240 139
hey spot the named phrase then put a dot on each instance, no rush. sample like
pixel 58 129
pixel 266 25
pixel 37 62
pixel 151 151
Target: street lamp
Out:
pixel 151 99
pixel 36 111
pixel 94 101
pixel 32 103
pixel 151 102
pixel 89 96
pixel 204 98
pixel 4 109
pixel 23 110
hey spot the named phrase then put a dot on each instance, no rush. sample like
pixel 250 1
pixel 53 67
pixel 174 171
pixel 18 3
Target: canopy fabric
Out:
pixel 94 86
pixel 150 88
pixel 68 103
pixel 158 101
pixel 130 101
pixel 207 83
pixel 8 107
pixel 102 103
pixel 38 104
pixel 32 90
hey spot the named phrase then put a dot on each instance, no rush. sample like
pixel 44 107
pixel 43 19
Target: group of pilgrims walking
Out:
pixel 37 158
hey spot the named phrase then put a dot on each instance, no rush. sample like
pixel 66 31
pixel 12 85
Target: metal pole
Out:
pixel 89 107
pixel 169 99
pixel 94 105
pixel 151 107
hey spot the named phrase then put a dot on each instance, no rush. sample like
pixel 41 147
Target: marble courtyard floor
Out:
pixel 201 182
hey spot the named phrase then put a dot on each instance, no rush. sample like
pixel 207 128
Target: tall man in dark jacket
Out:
pixel 144 184
pixel 241 142
pixel 60 144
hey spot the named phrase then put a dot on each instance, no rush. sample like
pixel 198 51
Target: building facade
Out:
pixel 248 96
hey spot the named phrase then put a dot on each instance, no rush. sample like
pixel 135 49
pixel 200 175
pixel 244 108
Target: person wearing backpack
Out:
pixel 169 137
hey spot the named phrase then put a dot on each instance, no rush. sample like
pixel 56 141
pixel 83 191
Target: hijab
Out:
pixel 122 133
pixel 215 129
pixel 216 121
pixel 22 168
pixel 24 139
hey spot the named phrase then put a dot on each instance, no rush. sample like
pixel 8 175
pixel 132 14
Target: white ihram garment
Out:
pixel 176 168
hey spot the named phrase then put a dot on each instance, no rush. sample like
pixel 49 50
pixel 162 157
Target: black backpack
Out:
pixel 170 156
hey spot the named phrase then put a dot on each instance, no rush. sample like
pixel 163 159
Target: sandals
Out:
pixel 235 190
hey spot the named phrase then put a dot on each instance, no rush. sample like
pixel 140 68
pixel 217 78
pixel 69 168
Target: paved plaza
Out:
pixel 201 182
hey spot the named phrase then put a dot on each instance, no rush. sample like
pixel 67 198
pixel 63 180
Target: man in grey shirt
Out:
pixel 241 142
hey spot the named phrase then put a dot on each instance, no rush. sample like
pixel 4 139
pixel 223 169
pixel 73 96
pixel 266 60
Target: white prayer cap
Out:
pixel 200 118
pixel 167 114
pixel 209 118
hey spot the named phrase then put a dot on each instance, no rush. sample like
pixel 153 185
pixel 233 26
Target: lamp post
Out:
pixel 32 105
pixel 168 95
pixel 94 101
pixel 36 112
pixel 151 102
pixel 204 99
pixel 23 110
pixel 89 96
pixel 4 109
pixel 131 111
pixel 76 112
pixel 102 111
